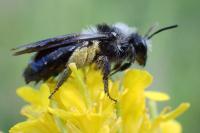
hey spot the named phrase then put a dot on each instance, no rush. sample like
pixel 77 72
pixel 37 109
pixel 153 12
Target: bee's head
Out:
pixel 140 44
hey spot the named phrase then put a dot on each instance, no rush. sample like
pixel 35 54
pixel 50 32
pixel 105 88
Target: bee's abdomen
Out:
pixel 48 65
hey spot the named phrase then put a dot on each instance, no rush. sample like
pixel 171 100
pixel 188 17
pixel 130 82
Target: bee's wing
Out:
pixel 59 41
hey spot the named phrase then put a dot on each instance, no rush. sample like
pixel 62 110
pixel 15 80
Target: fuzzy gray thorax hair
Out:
pixel 119 28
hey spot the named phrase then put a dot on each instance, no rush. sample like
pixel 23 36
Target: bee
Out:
pixel 112 48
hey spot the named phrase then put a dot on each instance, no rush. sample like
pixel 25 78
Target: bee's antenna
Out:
pixel 151 29
pixel 162 29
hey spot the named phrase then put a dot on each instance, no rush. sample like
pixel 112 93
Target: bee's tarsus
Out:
pixel 106 90
pixel 114 100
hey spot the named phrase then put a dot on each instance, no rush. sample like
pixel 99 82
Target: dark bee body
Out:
pixel 103 45
pixel 43 66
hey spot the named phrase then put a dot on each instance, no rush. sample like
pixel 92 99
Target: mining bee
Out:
pixel 112 48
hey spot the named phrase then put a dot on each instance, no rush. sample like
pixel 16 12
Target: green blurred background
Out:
pixel 174 61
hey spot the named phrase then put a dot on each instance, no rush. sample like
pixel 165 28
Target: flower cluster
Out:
pixel 81 106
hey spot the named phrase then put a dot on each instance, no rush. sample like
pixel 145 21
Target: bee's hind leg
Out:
pixel 64 76
pixel 104 65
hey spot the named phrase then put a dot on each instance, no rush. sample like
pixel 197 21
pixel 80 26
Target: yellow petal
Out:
pixel 156 96
pixel 171 126
pixel 81 120
pixel 177 112
pixel 82 86
pixel 169 116
pixel 72 99
pixel 132 103
pixel 137 78
pixel 44 124
pixel 104 103
pixel 146 124
pixel 61 113
pixel 33 112
pixel 72 128
pixel 97 123
pixel 116 126
pixel 35 97
pixel 94 83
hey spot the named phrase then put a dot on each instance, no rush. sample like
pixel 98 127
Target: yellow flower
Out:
pixel 80 106
pixel 171 126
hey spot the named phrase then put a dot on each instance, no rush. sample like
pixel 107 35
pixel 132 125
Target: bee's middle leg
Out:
pixel 104 65
pixel 64 76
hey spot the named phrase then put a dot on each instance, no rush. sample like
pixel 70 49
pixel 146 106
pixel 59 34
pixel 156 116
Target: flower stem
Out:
pixel 153 109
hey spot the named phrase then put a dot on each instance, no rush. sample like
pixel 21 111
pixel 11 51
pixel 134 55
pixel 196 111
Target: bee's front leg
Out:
pixel 122 67
pixel 64 76
pixel 104 65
